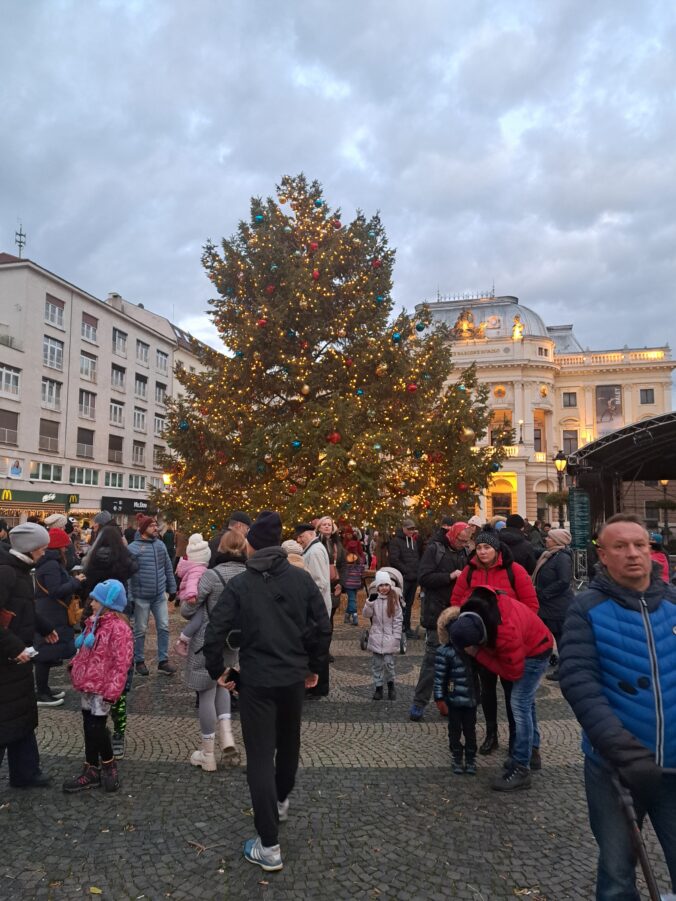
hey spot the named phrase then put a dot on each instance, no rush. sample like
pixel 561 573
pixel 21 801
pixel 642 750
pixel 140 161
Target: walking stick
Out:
pixel 627 804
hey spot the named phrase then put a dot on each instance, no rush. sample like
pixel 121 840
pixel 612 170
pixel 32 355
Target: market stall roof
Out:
pixel 644 450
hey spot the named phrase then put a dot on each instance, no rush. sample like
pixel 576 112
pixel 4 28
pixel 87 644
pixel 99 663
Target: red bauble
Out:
pixel 270 289
pixel 337 224
pixel 262 322
pixel 312 246
pixel 334 437
pixel 376 263
pixel 315 274
pixel 348 361
pixel 426 504
pixel 292 489
pixel 304 345
pixel 462 486
pixel 412 388
pixel 221 457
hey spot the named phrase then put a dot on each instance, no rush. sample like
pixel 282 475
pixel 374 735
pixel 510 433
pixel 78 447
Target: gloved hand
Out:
pixel 172 598
pixel 642 777
pixel 442 707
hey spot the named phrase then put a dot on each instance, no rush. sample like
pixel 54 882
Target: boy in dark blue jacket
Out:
pixel 456 682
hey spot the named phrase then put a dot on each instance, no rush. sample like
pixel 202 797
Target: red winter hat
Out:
pixel 143 522
pixel 58 539
pixel 455 530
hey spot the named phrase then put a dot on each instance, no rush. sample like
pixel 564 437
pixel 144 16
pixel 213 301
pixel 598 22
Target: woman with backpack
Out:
pixel 553 581
pixel 491 565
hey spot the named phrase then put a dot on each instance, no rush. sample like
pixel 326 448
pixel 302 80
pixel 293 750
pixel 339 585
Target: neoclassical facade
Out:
pixel 554 394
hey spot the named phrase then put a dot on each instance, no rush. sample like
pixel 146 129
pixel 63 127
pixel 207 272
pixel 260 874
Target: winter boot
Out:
pixel 490 742
pixel 457 766
pixel 378 693
pixel 205 758
pixel 470 763
pixel 513 779
pixel 109 776
pixel 348 619
pixel 88 778
pixel 355 619
pixel 391 692
pixel 227 743
pixel 535 759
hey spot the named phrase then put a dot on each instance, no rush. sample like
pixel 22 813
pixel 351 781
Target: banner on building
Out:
pixel 609 413
pixel 127 505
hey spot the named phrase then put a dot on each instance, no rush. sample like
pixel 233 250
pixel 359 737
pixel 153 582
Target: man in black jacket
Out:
pixel 277 616
pixel 514 537
pixel 442 562
pixel 405 556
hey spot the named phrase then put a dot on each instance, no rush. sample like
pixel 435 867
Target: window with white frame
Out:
pixel 90 325
pixel 155 482
pixel 54 311
pixel 116 413
pixel 160 393
pixel 9 380
pixel 87 404
pixel 137 482
pixel 138 453
pixel 141 386
pixel 139 419
pixel 52 352
pixel 160 423
pixel 46 472
pixel 87 366
pixel 114 479
pixel 81 475
pixel 142 352
pixel 51 394
pixel 119 342
pixel 118 376
pixel 162 361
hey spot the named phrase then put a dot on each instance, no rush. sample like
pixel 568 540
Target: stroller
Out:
pixel 398 580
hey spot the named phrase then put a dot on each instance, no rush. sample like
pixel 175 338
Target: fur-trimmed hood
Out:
pixel 447 617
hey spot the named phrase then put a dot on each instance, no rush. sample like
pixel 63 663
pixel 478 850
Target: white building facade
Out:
pixel 83 389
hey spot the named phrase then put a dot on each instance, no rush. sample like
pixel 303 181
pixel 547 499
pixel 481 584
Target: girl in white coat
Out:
pixel 383 608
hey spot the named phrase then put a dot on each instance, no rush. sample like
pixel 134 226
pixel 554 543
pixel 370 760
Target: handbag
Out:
pixel 72 606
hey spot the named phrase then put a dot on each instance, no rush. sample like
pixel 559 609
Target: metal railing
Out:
pixel 114 456
pixel 85 450
pixel 48 444
pixel 9 436
pixel 88 411
pixel 138 459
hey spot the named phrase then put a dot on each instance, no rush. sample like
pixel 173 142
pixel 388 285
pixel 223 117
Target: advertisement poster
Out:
pixel 609 415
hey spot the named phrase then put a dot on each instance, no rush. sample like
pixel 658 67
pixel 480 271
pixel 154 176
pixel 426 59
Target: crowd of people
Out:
pixel 497 603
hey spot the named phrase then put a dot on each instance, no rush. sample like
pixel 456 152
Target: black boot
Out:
pixel 391 693
pixel 457 766
pixel 378 693
pixel 490 742
pixel 470 762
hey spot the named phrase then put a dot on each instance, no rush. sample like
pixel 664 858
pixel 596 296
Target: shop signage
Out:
pixel 37 497
pixel 126 505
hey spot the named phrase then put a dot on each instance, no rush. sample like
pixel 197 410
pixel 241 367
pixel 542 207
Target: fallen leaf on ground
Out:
pixel 95 890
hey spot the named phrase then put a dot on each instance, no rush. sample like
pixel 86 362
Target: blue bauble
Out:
pixel 184 425
pixel 377 447
pixel 372 234
pixel 396 337
pixel 426 376
pixel 417 454
pixel 290 333
pixel 258 217
pixel 380 298
pixel 288 229
pixel 420 326
pixel 462 388
pixel 295 444
pixel 260 467
pixel 495 466
pixel 359 392
pixel 239 354
pixel 319 202
pixel 274 267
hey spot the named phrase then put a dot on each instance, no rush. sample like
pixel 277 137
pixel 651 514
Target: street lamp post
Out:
pixel 521 431
pixel 664 483
pixel 560 462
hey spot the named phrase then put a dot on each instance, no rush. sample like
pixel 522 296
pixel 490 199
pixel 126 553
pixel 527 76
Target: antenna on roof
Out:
pixel 20 239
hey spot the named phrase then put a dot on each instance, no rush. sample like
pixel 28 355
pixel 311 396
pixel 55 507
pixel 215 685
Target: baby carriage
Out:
pixel 398 580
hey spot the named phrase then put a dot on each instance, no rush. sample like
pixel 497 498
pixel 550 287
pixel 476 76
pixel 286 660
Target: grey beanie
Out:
pixel 103 518
pixel 27 537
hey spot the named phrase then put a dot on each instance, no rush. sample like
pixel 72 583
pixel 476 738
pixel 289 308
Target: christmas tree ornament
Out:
pixel 372 234
pixel 376 264
pixel 495 466
pixel 282 198
pixel 290 333
pixel 281 473
pixel 352 464
pixel 274 267
pixel 359 392
pixel 295 444
pixel 297 253
pixel 315 274
pixel 305 389
pixel 258 217
pixel 341 333
pixel 462 486
pixel 426 376
pixel 412 388
pixel 467 434
pixel 292 489
pixel 184 425
pixel 288 229
pixel 319 202
pixel 337 224
pixel 417 454
pixel 334 437
pixel 420 326
pixel 426 504
pixel 262 322
pixel 377 447
pixel 462 388
pixel 268 458
pixel 303 345
pixel 348 361
pixel 269 289
pixel 379 298
pixel 239 354
pixel 312 246
pixel 381 369
pixel 260 467
pixel 301 481
pixel 396 337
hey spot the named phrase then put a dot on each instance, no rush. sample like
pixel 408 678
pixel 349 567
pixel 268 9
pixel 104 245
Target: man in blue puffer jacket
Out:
pixel 147 587
pixel 618 673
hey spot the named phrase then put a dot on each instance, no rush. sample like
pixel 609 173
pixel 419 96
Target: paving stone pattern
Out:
pixel 376 813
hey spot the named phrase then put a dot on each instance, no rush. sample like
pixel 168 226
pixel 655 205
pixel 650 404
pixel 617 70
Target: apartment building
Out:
pixel 83 390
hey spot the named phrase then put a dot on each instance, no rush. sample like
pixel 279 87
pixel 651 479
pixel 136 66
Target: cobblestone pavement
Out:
pixel 376 813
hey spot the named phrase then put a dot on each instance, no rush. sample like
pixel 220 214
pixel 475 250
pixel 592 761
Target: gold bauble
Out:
pixel 268 458
pixel 305 389
pixel 468 434
pixel 381 369
pixel 281 474
pixel 352 464
pixel 316 422
pixel 341 333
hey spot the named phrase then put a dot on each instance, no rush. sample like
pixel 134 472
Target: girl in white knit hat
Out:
pixel 189 571
pixel 384 610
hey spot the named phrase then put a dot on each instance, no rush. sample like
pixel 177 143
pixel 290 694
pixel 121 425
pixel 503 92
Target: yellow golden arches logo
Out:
pixel 6 495
pixel 73 498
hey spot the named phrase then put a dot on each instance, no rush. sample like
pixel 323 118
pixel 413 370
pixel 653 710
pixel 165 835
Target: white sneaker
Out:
pixel 283 810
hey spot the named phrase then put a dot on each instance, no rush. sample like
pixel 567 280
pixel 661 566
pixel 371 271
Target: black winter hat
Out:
pixel 490 538
pixel 240 516
pixel 468 629
pixel 301 527
pixel 514 521
pixel 266 531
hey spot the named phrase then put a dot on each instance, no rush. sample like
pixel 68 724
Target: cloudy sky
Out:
pixel 528 145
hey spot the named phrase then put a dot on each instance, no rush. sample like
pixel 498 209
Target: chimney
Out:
pixel 115 300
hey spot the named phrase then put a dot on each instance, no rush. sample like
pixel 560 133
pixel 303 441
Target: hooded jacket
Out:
pixel 456 679
pixel 53 590
pixel 385 631
pixel 438 561
pixel 189 572
pixel 618 670
pixel 523 550
pixel 497 578
pixel 554 585
pixel 102 669
pixel 281 619
pixel 155 574
pixel 404 553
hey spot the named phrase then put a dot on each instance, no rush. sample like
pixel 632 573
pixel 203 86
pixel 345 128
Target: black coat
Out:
pixel 438 561
pixel 100 566
pixel 18 708
pixel 404 552
pixel 53 590
pixel 521 547
pixel 281 620
pixel 554 585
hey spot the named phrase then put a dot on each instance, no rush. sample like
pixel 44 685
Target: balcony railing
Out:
pixel 114 456
pixel 85 450
pixel 539 457
pixel 10 341
pixel 51 445
pixel 138 459
pixel 614 357
pixel 87 411
pixel 9 436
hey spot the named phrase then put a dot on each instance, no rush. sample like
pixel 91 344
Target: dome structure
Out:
pixel 488 317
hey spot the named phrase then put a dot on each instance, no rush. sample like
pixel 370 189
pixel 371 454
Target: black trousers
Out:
pixel 489 700
pixel 98 746
pixel 462 721
pixel 23 760
pixel 321 689
pixel 270 719
pixel 409 598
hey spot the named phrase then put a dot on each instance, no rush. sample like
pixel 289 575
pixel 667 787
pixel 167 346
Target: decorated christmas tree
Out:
pixel 320 402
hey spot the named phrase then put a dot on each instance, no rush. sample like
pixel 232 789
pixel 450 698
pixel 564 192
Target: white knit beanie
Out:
pixel 198 550
pixel 383 578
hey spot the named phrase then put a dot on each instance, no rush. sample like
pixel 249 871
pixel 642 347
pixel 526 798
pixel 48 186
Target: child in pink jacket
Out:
pixel 190 571
pixel 99 672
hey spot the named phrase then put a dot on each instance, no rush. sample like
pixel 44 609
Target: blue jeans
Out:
pixel 527 734
pixel 616 876
pixel 351 600
pixel 143 607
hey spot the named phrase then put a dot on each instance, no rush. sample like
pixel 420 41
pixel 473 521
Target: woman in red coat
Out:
pixel 492 566
pixel 516 647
